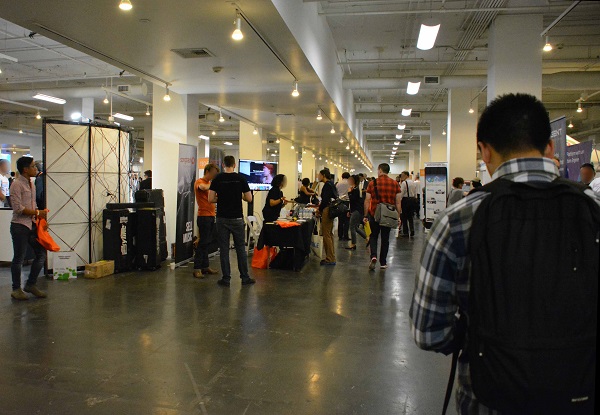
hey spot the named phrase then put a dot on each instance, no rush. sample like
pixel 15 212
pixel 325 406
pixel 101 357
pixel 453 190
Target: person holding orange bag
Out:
pixel 23 230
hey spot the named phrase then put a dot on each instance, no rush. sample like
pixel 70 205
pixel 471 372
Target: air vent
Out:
pixel 407 131
pixel 123 88
pixel 402 142
pixel 415 114
pixel 193 53
pixel 285 115
pixel 431 80
pixel 202 116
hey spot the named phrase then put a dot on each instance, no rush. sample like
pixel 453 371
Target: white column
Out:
pixel 439 144
pixel 425 151
pixel 308 165
pixel 251 148
pixel 515 56
pixel 87 108
pixel 170 127
pixel 417 163
pixel 461 133
pixel 411 160
pixel 288 165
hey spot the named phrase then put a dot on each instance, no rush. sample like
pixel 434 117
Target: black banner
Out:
pixel 184 246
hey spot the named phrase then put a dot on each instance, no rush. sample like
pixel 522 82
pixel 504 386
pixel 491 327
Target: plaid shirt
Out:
pixel 442 284
pixel 387 189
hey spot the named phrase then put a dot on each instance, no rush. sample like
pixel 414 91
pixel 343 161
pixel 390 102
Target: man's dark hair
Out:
pixel 23 163
pixel 209 167
pixel 384 167
pixel 345 175
pixel 355 178
pixel 458 182
pixel 361 175
pixel 326 173
pixel 513 123
pixel 148 173
pixel 406 173
pixel 475 184
pixel 277 180
pixel 306 182
pixel 588 166
pixel 229 161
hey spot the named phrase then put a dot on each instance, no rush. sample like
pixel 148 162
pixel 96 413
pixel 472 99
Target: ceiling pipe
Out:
pixel 560 81
pixel 65 93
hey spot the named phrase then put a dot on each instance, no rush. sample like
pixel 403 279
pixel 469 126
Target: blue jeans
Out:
pixel 206 227
pixel 235 227
pixel 21 237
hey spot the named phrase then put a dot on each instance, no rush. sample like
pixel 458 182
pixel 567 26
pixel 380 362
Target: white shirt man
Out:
pixel 4 183
pixel 342 186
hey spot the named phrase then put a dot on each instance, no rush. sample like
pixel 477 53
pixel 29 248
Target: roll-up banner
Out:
pixel 576 156
pixel 558 132
pixel 186 177
pixel 436 190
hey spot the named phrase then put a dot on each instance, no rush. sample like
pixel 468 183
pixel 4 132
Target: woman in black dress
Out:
pixel 275 200
pixel 305 193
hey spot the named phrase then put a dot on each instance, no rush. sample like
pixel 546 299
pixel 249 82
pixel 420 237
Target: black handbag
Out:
pixel 338 207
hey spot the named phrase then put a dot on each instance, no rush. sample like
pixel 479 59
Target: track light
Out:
pixel 214 132
pixel 413 88
pixel 147 110
pixel 320 158
pixel 471 110
pixel 401 126
pixel 221 119
pixel 20 132
pixel 167 97
pixel 406 112
pixel 141 159
pixel 570 124
pixel 351 151
pixel 348 147
pixel 341 140
pixel 429 145
pixel 255 132
pixel 106 99
pixel 125 5
pixel 547 47
pixel 427 36
pixel 295 92
pixel 398 136
pixel 444 131
pixel 332 131
pixel 579 109
pixel 319 116
pixel 396 143
pixel 38 116
pixel 292 147
pixel 237 33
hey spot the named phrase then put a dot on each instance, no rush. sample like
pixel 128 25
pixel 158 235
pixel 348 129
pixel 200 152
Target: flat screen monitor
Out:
pixel 259 174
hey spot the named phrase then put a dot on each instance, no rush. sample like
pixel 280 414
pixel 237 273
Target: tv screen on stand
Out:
pixel 258 173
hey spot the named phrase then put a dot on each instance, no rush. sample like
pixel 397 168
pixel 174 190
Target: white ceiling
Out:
pixel 373 39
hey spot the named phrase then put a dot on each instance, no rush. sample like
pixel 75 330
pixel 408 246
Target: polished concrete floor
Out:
pixel 327 340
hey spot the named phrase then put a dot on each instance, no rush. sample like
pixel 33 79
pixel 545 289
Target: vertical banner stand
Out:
pixel 186 177
pixel 436 191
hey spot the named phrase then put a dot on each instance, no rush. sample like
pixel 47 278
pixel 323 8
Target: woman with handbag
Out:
pixel 356 210
pixel 328 193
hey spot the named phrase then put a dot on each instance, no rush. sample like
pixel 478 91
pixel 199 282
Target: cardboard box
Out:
pixel 99 269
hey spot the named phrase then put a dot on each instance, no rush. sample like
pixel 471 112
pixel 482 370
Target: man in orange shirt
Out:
pixel 205 220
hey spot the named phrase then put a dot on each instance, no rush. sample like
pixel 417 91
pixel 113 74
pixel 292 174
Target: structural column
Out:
pixel 173 123
pixel 425 150
pixel 439 144
pixel 251 148
pixel 462 134
pixel 515 56
pixel 308 165
pixel 288 165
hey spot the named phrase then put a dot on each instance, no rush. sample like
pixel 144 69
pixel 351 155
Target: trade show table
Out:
pixel 295 237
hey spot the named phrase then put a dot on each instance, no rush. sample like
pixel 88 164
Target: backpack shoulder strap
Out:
pixel 375 187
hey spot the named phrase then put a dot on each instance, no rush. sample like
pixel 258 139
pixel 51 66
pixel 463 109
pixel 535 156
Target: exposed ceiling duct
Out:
pixel 559 81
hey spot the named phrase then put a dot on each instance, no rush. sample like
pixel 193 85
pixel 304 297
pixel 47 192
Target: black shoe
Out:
pixel 223 282
pixel 248 281
pixel 412 235
pixel 352 248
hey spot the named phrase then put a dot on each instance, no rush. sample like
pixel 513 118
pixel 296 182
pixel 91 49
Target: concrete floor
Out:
pixel 328 340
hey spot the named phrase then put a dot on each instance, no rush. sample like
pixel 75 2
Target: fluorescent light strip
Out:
pixel 203 137
pixel 401 126
pixel 413 88
pixel 427 36
pixel 406 112
pixel 50 98
pixel 227 143
pixel 123 116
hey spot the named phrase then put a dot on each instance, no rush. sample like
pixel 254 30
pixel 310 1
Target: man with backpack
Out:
pixel 382 210
pixel 509 276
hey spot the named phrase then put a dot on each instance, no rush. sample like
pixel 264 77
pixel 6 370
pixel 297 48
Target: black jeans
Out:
pixel 385 240
pixel 21 237
pixel 343 226
pixel 235 227
pixel 407 215
pixel 206 227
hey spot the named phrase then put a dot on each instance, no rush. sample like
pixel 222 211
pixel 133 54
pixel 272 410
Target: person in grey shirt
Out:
pixel 23 230
pixel 456 193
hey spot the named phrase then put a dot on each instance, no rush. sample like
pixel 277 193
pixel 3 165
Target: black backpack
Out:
pixel 532 311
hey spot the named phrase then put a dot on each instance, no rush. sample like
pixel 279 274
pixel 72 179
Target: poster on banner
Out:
pixel 184 226
pixel 576 156
pixel 64 265
pixel 558 133
pixel 202 162
pixel 436 191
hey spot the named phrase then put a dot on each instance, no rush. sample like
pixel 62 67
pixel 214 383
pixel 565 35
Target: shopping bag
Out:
pixel 44 238
pixel 261 257
pixel 367 229
pixel 316 245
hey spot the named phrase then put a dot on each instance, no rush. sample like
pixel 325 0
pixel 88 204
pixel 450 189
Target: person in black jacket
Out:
pixel 356 210
pixel 328 193
pixel 146 184
pixel 275 200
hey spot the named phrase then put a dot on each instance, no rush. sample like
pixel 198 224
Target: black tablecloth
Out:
pixel 297 237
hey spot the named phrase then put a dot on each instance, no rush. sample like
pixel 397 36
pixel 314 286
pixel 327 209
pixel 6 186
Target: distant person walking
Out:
pixel 456 193
pixel 23 230
pixel 227 190
pixel 4 184
pixel 205 221
pixel 328 193
pixel 356 210
pixel 408 197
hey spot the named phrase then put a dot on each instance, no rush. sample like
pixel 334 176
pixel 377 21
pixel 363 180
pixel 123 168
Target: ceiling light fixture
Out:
pixel 398 136
pixel 356 155
pixel 295 92
pixel 406 112
pixel 320 158
pixel 202 136
pixel 429 145
pixel 50 98
pixel 292 147
pixel 427 36
pixel 38 116
pixel 413 88
pixel 396 143
pixel 319 116
pixel 237 33
pixel 147 110
pixel 255 132
pixel 570 124
pixel 332 131
pixel 141 159
pixel 106 99
pixel 547 47
pixel 167 97
pixel 214 132
pixel 123 116
pixel 348 147
pixel 125 5
pixel 579 109
pixel 443 131
pixel 471 110
pixel 394 148
pixel 351 151
pixel 227 143
pixel 401 126
pixel 277 141
pixel 221 119
pixel 75 116
pixel 341 140
pixel 20 132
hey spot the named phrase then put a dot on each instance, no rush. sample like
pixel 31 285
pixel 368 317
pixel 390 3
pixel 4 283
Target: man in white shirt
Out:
pixel 408 197
pixel 4 183
pixel 343 222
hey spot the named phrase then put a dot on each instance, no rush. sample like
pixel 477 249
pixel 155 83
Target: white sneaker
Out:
pixel 372 263
pixel 383 267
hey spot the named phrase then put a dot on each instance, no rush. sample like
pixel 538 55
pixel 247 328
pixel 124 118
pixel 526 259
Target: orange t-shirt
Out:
pixel 205 208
